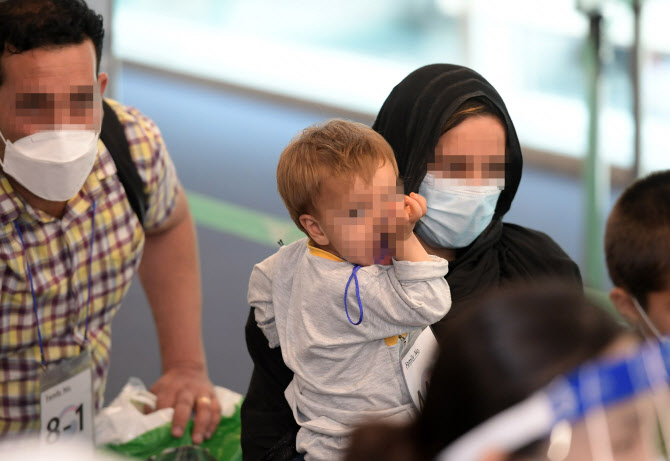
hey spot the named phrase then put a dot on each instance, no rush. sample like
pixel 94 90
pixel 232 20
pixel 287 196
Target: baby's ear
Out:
pixel 623 302
pixel 313 228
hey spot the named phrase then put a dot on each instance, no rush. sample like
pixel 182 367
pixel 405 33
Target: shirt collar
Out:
pixel 321 253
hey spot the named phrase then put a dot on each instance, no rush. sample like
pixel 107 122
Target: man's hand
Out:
pixel 187 390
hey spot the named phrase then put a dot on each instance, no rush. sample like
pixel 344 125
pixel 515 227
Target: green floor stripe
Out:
pixel 245 223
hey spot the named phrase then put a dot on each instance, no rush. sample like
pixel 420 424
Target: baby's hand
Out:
pixel 402 243
pixel 415 207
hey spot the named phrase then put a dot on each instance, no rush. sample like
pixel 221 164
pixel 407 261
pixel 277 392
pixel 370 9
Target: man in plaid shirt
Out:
pixel 70 242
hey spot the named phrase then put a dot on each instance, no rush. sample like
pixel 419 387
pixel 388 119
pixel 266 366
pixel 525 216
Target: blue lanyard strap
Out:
pixel 90 268
pixel 32 290
pixel 32 285
pixel 358 296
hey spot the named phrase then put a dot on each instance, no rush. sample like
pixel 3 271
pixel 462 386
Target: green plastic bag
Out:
pixel 159 442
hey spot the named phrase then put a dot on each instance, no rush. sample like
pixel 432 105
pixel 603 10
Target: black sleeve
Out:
pixel 266 416
pixel 532 254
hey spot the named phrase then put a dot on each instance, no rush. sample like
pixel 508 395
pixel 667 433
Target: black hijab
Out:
pixel 412 120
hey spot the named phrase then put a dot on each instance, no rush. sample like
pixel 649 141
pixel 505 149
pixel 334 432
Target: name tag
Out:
pixel 66 401
pixel 417 365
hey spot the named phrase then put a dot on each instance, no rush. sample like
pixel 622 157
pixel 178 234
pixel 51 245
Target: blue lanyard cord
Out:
pixel 32 290
pixel 32 286
pixel 358 296
pixel 90 269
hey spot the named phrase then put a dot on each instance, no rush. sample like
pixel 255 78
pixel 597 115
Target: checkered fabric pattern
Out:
pixel 58 252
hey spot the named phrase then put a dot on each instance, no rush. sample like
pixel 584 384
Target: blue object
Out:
pixel 90 266
pixel 601 384
pixel 358 296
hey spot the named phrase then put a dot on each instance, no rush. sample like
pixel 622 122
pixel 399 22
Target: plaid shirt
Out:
pixel 58 253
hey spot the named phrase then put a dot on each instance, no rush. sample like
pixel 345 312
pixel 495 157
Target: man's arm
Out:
pixel 170 276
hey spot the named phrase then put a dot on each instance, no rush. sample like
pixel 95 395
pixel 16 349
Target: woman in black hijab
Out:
pixel 419 119
pixel 413 119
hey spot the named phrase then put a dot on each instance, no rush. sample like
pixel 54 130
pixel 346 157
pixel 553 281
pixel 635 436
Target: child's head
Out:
pixel 637 248
pixel 337 179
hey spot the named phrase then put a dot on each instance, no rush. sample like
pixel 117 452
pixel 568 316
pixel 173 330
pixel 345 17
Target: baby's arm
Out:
pixel 407 295
pixel 408 247
pixel 259 298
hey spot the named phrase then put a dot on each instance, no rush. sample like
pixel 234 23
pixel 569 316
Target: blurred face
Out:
pixel 50 89
pixel 472 152
pixel 462 185
pixel 357 218
pixel 627 430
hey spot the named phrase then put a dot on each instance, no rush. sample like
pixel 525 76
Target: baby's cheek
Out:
pixel 353 240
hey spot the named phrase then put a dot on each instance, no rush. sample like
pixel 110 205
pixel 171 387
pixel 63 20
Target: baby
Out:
pixel 338 301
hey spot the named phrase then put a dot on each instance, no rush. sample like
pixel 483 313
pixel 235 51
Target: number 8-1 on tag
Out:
pixel 66 401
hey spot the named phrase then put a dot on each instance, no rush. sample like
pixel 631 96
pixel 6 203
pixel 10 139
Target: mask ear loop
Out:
pixel 647 320
pixel 657 376
pixel 2 160
pixel 595 420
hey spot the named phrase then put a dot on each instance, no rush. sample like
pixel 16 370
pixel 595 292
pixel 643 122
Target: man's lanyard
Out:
pixel 32 288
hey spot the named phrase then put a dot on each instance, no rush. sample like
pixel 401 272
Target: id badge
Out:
pixel 66 401
pixel 417 366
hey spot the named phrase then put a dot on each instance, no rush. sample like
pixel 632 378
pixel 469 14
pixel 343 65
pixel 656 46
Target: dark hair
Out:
pixel 637 237
pixel 470 108
pixel 335 148
pixel 29 24
pixel 416 112
pixel 492 356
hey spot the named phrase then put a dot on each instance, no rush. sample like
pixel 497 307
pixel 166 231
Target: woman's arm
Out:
pixel 266 416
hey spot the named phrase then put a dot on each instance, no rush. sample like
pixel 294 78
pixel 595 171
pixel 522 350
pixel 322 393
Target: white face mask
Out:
pixel 52 164
pixel 456 214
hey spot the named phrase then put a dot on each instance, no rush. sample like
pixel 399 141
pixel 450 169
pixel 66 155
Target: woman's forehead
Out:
pixel 474 135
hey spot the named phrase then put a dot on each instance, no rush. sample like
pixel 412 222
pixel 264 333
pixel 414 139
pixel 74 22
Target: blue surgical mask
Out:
pixel 456 214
